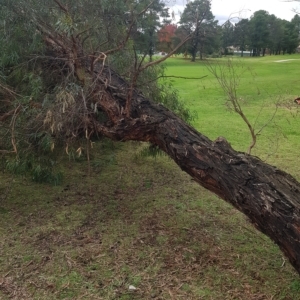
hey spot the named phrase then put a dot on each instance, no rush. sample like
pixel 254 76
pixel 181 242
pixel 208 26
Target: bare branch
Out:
pixel 9 90
pixel 62 7
pixel 228 79
pixel 123 43
pixel 171 76
pixel 12 112
pixel 156 62
pixel 145 9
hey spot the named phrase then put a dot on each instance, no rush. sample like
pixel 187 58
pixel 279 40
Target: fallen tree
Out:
pixel 268 196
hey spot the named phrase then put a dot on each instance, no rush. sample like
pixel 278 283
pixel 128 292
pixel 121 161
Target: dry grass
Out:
pixel 139 222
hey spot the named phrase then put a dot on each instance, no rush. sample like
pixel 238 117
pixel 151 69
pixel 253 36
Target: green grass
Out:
pixel 141 221
pixel 263 84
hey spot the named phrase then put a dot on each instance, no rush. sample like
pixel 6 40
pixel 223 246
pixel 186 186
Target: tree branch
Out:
pixel 12 112
pixel 62 7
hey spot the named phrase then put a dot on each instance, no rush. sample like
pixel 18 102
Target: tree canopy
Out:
pixel 198 19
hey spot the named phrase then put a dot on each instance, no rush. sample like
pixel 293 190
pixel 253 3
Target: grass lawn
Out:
pixel 143 222
pixel 264 85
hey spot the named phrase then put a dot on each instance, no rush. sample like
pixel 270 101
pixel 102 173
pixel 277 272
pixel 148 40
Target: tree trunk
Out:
pixel 193 59
pixel 194 49
pixel 267 195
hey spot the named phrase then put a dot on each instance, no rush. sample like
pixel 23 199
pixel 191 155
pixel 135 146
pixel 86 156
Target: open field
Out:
pixel 263 85
pixel 143 222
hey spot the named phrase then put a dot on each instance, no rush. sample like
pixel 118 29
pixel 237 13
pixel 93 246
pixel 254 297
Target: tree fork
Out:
pixel 268 196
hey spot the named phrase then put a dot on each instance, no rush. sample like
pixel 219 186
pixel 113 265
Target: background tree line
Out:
pixel 260 34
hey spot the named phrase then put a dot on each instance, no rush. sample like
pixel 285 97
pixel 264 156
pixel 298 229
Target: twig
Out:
pixel 283 263
pixel 13 140
pixel 173 76
pixel 61 6
pixel 8 114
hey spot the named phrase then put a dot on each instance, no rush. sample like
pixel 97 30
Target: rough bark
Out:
pixel 267 195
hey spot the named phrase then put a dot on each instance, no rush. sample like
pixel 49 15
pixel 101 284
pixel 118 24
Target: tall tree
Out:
pixel 276 34
pixel 290 37
pixel 148 25
pixel 259 32
pixel 296 22
pixel 198 19
pixel 241 35
pixel 227 36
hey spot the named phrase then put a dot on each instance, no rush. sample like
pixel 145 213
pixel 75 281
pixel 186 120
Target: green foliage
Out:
pixel 227 35
pixel 49 103
pixel 169 97
pixel 259 33
pixel 198 20
pixel 163 92
pixel 41 170
pixel 151 151
pixel 241 35
pixel 18 37
pixel 145 37
pixel 290 37
pixel 264 31
pixel 295 286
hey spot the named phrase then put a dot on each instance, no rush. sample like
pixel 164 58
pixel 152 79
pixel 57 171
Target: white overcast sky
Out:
pixel 224 9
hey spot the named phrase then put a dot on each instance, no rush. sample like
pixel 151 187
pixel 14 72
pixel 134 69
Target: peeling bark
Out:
pixel 268 196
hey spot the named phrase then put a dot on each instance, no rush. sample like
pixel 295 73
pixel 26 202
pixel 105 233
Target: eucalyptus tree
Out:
pixel 259 32
pixel 148 25
pixel 198 20
pixel 290 37
pixel 276 34
pixel 241 35
pixel 296 22
pixel 227 36
pixel 77 94
pixel 109 35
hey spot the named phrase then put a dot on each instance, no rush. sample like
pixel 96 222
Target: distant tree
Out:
pixel 227 36
pixel 198 18
pixel 165 37
pixel 180 35
pixel 276 34
pixel 259 32
pixel 290 37
pixel 241 35
pixel 210 42
pixel 296 22
pixel 148 25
